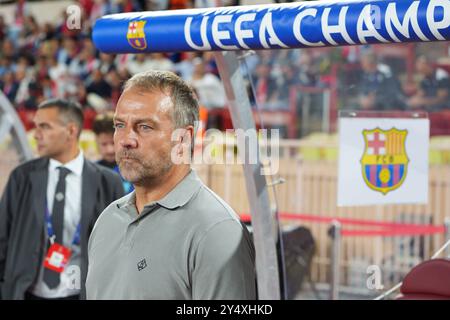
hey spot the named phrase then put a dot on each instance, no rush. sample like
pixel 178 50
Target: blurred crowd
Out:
pixel 366 81
pixel 41 61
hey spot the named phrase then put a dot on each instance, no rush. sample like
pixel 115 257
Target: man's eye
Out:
pixel 118 126
pixel 145 127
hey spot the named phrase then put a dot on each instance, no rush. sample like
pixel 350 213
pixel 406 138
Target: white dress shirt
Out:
pixel 72 216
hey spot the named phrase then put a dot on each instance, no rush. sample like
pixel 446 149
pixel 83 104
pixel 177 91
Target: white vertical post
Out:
pixel 447 236
pixel 262 220
pixel 11 123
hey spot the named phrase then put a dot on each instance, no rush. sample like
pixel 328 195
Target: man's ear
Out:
pixel 74 130
pixel 182 139
pixel 188 136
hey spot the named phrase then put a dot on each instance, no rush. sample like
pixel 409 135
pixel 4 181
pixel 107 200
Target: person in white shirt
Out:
pixel 48 209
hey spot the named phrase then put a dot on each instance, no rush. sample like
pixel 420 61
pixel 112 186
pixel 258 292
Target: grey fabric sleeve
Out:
pixel 223 268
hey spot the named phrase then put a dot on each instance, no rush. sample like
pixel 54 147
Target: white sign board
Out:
pixel 383 161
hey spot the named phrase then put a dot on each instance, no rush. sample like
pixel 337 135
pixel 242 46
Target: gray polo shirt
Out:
pixel 188 245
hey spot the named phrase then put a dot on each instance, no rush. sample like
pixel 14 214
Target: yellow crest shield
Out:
pixel 136 34
pixel 384 163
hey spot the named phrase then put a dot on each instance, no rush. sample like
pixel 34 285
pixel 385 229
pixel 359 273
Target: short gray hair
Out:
pixel 185 105
pixel 69 111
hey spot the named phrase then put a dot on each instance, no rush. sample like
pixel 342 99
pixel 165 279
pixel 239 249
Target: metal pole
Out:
pixel 262 220
pixel 335 234
pixel 447 236
pixel 11 123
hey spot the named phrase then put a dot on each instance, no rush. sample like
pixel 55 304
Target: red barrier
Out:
pixel 383 228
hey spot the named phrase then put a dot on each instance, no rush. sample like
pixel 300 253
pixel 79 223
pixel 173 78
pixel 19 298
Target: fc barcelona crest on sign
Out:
pixel 384 162
pixel 136 35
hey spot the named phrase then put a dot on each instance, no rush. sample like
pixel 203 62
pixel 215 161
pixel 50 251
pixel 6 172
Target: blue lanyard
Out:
pixel 51 233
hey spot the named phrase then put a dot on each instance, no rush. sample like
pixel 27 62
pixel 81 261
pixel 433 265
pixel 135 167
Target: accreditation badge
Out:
pixel 57 257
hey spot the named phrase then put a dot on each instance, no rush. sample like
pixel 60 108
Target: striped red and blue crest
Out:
pixel 384 162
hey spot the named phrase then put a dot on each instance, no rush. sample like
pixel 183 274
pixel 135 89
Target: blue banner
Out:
pixel 293 25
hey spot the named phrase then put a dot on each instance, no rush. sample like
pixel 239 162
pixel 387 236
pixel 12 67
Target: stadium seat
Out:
pixel 429 280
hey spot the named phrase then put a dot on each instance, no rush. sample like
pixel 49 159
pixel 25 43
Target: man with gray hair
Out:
pixel 172 238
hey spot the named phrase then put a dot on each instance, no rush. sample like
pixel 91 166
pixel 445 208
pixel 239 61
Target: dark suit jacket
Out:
pixel 22 232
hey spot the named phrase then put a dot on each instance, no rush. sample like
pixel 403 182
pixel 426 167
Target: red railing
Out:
pixel 387 229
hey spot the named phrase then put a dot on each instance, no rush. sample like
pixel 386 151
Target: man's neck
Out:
pixel 68 156
pixel 156 190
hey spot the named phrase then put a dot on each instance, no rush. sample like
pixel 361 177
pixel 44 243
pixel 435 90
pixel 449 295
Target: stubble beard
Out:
pixel 141 172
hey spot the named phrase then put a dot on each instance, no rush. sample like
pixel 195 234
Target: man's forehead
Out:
pixel 47 114
pixel 138 98
pixel 135 117
pixel 156 113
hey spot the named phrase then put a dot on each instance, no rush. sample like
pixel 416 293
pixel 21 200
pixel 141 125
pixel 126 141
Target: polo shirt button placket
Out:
pixel 129 235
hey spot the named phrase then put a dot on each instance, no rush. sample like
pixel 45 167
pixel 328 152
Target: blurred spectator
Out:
pixel 210 63
pixel 114 80
pixel 208 87
pixel 8 48
pixel 48 88
pixel 153 61
pixel 157 5
pixel 101 8
pixel 20 12
pixel 48 32
pixel 103 127
pixel 434 89
pixel 185 68
pixel 99 86
pixel 50 48
pixel 24 77
pixel 85 62
pixel 307 74
pixel 35 96
pixel 137 63
pixel 68 52
pixel 127 6
pixel 106 63
pixel 41 68
pixel 288 77
pixel 58 73
pixel 30 37
pixel 379 89
pixel 158 61
pixel 3 28
pixel 9 85
pixel 6 65
pixel 265 85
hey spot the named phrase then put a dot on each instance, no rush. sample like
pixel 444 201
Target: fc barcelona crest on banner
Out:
pixel 136 34
pixel 385 161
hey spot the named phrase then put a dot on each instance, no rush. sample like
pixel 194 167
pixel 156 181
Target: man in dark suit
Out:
pixel 49 208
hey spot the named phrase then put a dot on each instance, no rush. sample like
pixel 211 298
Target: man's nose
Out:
pixel 128 139
pixel 36 134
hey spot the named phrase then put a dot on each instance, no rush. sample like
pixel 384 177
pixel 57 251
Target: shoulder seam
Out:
pixel 209 229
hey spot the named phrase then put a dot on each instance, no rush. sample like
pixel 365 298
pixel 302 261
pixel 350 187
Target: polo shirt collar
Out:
pixel 177 197
pixel 182 193
pixel 75 165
